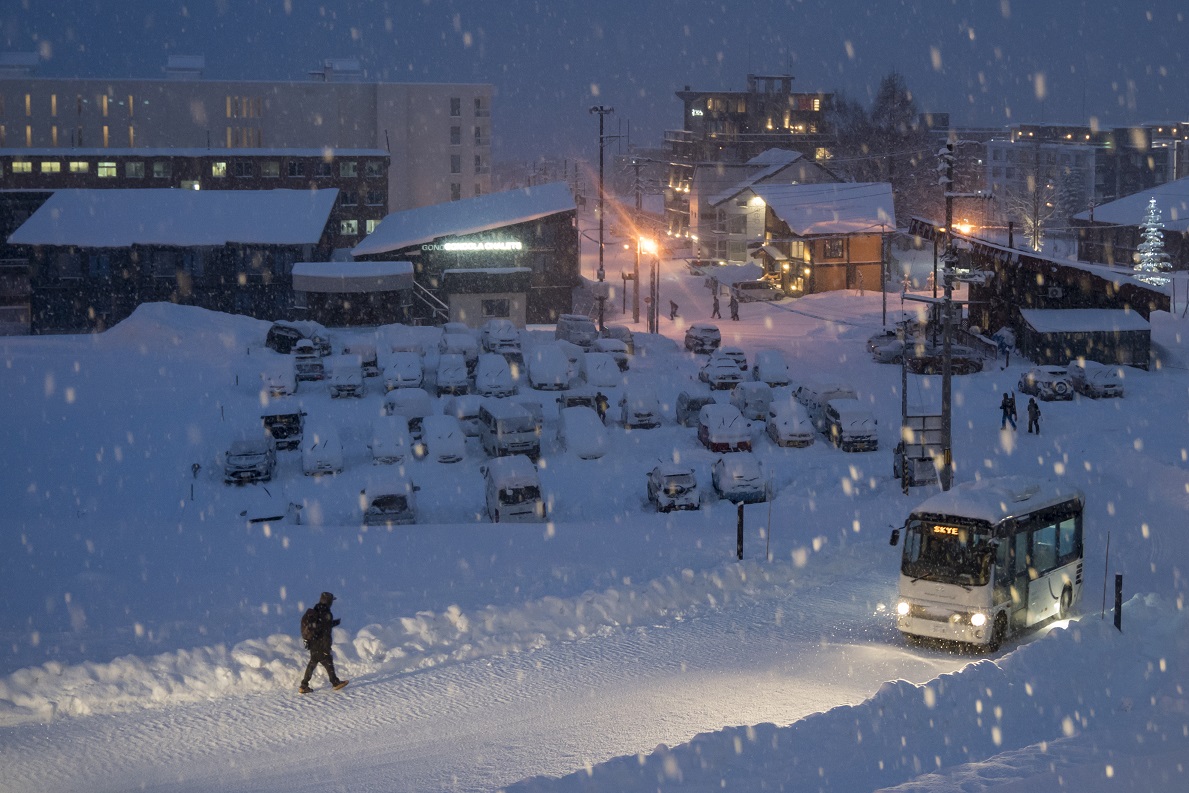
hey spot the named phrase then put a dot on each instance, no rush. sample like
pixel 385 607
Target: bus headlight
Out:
pixel 978 619
pixel 902 608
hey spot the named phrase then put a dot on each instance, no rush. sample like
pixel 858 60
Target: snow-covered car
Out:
pixel 583 396
pixel 739 478
pixel 639 408
pixel 346 376
pixel 1095 379
pixel 722 428
pixel 402 370
pixel 368 358
pixel 500 336
pixel 789 424
pixel 391 502
pixel 702 337
pixel 720 373
pixel 574 355
pixel 512 490
pixel 465 408
pixel 616 349
pixel 620 333
pixel 548 368
pixel 688 406
pixel 577 329
pixel 850 426
pixel 930 359
pixel 771 367
pixel 457 327
pixel 307 361
pixel 284 423
pixel 673 486
pixel 442 440
pixel 755 291
pixel 250 458
pixel 452 376
pixel 283 335
pixel 278 378
pixel 493 377
pixel 580 432
pixel 599 370
pixel 412 403
pixel 463 344
pixel 260 503
pixel 814 397
pixel 753 399
pixel 1047 383
pixel 321 452
pixel 390 441
pixel 887 346
pixel 734 354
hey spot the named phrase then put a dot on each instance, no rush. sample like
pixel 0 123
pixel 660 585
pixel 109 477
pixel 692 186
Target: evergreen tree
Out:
pixel 1152 258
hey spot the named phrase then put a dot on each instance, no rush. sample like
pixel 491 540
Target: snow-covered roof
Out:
pixel 193 151
pixel 773 161
pixel 119 218
pixel 1172 199
pixel 835 208
pixel 997 498
pixel 1082 320
pixel 353 277
pixel 404 229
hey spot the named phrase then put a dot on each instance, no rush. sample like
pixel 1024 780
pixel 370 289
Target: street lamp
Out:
pixel 602 297
pixel 649 246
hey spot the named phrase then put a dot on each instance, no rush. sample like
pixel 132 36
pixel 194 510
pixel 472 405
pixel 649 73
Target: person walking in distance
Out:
pixel 1033 415
pixel 715 313
pixel 1007 407
pixel 672 310
pixel 733 304
pixel 316 626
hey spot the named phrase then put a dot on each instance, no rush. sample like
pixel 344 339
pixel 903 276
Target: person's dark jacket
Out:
pixel 321 642
pixel 1033 411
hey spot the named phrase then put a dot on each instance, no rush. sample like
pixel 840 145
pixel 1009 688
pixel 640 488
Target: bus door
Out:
pixel 1019 580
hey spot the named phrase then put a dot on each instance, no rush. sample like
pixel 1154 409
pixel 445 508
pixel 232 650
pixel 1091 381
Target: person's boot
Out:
pixel 304 689
pixel 340 684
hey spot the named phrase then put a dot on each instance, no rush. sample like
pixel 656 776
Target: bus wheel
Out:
pixel 998 632
pixel 1066 603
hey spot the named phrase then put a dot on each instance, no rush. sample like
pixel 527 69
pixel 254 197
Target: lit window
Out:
pixel 106 170
pixel 270 169
pixel 218 169
pixel 349 227
pixel 51 167
pixel 20 166
pixel 80 166
pixel 348 169
pixel 370 225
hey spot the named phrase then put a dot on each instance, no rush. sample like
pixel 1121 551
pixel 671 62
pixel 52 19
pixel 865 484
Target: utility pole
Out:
pixel 946 475
pixel 639 213
pixel 602 297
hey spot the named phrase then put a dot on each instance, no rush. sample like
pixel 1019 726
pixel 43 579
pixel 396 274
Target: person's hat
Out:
pixel 327 598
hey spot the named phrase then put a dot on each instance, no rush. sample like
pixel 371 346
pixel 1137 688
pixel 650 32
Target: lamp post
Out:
pixel 602 298
pixel 650 246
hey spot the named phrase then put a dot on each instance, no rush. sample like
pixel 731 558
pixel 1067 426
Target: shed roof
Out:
pixel 352 277
pixel 831 208
pixel 1082 320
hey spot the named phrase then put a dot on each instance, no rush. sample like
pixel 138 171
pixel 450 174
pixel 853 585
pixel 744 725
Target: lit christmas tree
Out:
pixel 1152 258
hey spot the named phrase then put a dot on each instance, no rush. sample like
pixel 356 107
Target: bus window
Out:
pixel 1069 541
pixel 1044 549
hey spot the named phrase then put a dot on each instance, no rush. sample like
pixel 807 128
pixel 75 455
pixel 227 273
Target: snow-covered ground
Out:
pixel 151 634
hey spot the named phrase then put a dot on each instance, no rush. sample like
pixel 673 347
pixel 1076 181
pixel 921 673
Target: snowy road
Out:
pixel 494 721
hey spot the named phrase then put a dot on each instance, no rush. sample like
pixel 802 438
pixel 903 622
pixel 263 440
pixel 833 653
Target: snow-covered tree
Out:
pixel 1152 259
pixel 1031 199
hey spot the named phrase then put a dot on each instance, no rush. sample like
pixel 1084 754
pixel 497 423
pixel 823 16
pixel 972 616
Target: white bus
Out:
pixel 987 559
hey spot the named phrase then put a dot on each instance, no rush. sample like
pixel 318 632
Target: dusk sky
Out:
pixel 986 62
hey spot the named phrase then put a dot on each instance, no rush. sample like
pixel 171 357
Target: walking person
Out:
pixel 1033 415
pixel 733 304
pixel 316 626
pixel 715 313
pixel 1007 407
pixel 672 310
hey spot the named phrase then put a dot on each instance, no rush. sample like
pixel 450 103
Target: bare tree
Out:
pixel 1031 199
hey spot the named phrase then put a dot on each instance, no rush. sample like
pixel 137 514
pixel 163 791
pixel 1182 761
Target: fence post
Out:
pixel 739 538
pixel 1119 601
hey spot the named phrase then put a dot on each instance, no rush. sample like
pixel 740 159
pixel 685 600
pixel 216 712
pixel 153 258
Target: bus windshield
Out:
pixel 950 553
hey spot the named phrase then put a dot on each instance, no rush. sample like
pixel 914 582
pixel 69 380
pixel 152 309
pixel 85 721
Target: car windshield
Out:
pixel 390 503
pixel 949 552
pixel 519 495
pixel 676 484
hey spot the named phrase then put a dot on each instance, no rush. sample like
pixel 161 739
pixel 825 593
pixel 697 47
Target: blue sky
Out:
pixel 986 62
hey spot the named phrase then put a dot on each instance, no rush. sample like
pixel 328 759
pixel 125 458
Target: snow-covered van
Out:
pixel 278 377
pixel 513 490
pixel 390 440
pixel 814 397
pixel 346 376
pixel 507 428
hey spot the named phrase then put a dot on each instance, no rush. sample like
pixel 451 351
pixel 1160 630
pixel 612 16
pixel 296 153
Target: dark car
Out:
pixel 285 425
pixel 702 337
pixel 931 360
pixel 689 406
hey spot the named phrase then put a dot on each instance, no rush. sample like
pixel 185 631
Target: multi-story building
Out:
pixel 438 135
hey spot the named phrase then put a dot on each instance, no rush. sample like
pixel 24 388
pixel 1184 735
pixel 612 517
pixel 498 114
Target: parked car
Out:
pixel 321 452
pixel 599 370
pixel 463 344
pixel 771 367
pixel 688 406
pixel 739 478
pixel 452 376
pixel 580 432
pixel 753 399
pixel 1095 379
pixel 755 291
pixel 814 396
pixel 390 503
pixel 616 349
pixel 250 458
pixel 789 424
pixel 368 358
pixel 307 361
pixel 1047 383
pixel 573 355
pixel 284 423
pixel 887 346
pixel 722 428
pixel 493 377
pixel 278 378
pixel 639 408
pixel 506 428
pixel 402 370
pixel 734 354
pixel 512 490
pixel 500 336
pixel 346 376
pixel 673 486
pixel 850 426
pixel 412 403
pixel 621 333
pixel 720 373
pixel 702 337
pixel 283 335
pixel 465 408
pixel 390 440
pixel 583 397
pixel 577 329
pixel 442 440
pixel 548 368
pixel 930 359
pixel 457 327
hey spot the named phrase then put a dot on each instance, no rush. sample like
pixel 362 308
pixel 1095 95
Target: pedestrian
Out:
pixel 715 313
pixel 1033 415
pixel 1007 407
pixel 672 310
pixel 316 626
pixel 733 304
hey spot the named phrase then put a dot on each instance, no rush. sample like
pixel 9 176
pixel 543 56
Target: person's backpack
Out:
pixel 309 626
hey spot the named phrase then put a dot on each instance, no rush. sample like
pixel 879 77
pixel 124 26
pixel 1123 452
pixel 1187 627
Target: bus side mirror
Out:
pixel 895 537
